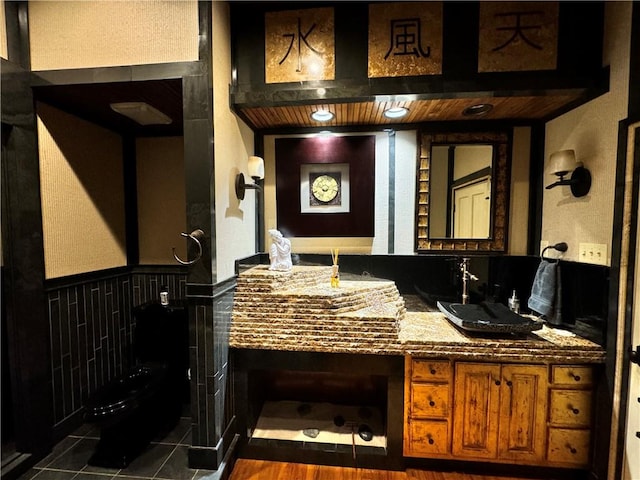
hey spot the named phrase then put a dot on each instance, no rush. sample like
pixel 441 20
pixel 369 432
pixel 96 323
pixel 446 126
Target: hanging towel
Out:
pixel 556 317
pixel 543 291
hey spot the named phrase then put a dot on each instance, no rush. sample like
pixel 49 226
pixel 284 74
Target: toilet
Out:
pixel 147 399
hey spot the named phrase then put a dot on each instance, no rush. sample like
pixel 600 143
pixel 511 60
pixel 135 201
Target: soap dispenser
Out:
pixel 514 303
pixel 164 295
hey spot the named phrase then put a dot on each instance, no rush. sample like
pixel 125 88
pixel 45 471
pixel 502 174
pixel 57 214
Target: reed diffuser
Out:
pixel 335 271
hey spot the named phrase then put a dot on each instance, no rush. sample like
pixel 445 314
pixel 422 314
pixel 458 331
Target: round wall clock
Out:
pixel 325 188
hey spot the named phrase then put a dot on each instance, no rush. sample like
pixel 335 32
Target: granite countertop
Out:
pixel 416 329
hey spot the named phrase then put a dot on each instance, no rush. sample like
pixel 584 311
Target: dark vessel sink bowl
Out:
pixel 487 317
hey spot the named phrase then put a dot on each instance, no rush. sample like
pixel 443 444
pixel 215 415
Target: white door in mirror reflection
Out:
pixel 460 191
pixel 472 207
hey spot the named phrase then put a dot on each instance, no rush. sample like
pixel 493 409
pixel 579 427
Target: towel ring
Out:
pixel 193 236
pixel 561 247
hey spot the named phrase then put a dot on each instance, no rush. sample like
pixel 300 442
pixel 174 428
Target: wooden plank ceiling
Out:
pixel 371 112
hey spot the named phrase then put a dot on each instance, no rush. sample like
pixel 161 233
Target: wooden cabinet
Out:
pixel 428 409
pixel 476 406
pixel 507 413
pixel 570 400
pixel 500 411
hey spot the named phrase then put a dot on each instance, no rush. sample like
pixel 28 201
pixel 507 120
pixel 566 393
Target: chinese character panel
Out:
pixel 518 36
pixel 405 39
pixel 299 45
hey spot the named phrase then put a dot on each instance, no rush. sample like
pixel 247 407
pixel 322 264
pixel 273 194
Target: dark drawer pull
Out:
pixel 574 376
pixel 432 403
pixel 433 371
pixel 431 441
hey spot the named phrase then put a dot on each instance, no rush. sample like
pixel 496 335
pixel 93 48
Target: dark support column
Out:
pixel 213 433
pixel 23 295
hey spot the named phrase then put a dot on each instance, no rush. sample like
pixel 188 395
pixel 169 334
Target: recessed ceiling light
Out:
pixel 142 113
pixel 477 110
pixel 396 112
pixel 322 115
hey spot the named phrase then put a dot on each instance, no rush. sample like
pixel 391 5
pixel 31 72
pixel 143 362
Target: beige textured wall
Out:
pixel 519 198
pixel 592 131
pixel 162 213
pixel 82 34
pixel 3 33
pixel 233 143
pixel 82 190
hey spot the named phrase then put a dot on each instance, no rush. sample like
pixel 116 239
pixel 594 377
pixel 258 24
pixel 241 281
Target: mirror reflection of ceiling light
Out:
pixel 322 115
pixel 142 113
pixel 396 112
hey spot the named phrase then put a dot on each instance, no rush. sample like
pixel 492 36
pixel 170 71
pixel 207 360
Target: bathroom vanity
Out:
pixel 443 393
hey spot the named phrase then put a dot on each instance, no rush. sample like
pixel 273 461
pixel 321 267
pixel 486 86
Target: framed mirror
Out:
pixel 463 190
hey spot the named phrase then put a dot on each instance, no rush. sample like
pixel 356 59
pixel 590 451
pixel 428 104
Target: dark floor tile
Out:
pixel 205 475
pixel 46 474
pixel 177 465
pixel 58 450
pixel 77 456
pixel 176 435
pixel 91 469
pixel 149 461
pixel 86 429
pixel 29 474
pixel 93 476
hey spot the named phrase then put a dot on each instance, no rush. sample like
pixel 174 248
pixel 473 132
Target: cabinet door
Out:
pixel 523 412
pixel 476 410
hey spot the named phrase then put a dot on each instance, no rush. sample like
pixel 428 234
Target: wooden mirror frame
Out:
pixel 497 243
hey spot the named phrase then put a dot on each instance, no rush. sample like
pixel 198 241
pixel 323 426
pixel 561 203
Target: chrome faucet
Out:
pixel 466 277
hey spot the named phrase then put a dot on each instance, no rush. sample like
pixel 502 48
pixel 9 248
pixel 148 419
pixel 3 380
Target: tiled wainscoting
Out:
pixel 91 330
pixel 211 386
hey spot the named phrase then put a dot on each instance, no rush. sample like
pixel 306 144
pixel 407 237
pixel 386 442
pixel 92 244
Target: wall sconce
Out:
pixel 564 162
pixel 256 171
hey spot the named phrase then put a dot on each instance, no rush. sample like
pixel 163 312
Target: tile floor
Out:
pixel 164 458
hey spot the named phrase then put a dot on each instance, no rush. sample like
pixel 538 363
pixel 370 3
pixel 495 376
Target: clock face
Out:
pixel 325 188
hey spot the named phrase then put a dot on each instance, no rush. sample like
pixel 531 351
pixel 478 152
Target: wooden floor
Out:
pixel 263 470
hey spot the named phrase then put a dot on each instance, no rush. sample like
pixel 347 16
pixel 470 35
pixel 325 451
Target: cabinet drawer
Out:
pixel 568 446
pixel 429 437
pixel 572 375
pixel 570 407
pixel 430 400
pixel 430 370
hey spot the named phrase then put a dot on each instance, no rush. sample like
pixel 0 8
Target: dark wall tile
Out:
pixel 91 331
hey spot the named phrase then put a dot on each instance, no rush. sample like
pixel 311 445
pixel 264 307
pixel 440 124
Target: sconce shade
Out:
pixel 563 162
pixel 256 171
pixel 256 167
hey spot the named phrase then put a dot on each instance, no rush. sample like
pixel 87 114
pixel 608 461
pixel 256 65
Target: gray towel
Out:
pixel 556 319
pixel 543 291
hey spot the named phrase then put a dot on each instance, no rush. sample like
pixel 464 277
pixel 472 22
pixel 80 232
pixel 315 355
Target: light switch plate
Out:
pixel 595 253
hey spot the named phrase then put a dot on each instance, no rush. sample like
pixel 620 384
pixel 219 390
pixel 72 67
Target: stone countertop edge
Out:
pixel 431 334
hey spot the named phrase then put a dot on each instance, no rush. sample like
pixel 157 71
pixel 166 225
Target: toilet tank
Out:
pixel 161 334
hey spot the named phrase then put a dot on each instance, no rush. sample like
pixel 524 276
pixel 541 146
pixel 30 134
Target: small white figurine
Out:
pixel 280 252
